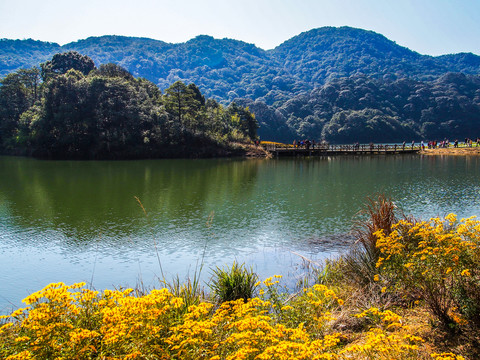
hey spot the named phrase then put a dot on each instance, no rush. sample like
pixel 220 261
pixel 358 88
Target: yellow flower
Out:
pixel 451 218
pixel 24 355
pixel 466 272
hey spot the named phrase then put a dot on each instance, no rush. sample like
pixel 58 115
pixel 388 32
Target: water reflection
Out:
pixel 83 199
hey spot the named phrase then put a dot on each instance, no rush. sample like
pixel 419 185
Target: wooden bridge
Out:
pixel 327 150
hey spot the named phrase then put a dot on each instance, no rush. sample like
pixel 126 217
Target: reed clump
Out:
pixel 236 282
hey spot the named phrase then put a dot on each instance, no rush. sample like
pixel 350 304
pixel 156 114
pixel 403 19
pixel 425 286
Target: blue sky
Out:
pixel 431 27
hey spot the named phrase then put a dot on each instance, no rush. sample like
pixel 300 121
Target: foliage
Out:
pixel 368 109
pixel 18 92
pixel 63 62
pixel 74 322
pixel 87 113
pixel 377 214
pixel 359 263
pixel 233 283
pixel 340 84
pixel 439 261
pixel 387 339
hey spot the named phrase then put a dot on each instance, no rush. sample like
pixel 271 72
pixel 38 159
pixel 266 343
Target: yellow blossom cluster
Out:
pixel 439 260
pixel 72 322
pixel 387 339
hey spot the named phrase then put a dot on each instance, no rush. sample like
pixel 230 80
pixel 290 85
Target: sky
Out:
pixel 432 27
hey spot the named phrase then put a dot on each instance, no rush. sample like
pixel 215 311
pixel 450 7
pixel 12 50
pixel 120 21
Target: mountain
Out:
pixel 327 82
pixel 16 54
pixel 361 108
pixel 226 69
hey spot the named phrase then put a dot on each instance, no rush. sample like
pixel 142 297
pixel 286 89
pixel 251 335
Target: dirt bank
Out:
pixel 452 151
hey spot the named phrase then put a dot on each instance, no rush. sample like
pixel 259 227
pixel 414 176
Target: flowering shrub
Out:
pixel 62 322
pixel 439 260
pixel 388 339
pixel 71 322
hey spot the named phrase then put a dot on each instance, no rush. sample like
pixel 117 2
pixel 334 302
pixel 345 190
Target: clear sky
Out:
pixel 431 27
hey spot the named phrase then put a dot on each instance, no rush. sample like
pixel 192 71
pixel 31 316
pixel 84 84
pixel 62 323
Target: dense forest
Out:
pixel 388 109
pixel 226 69
pixel 338 84
pixel 68 108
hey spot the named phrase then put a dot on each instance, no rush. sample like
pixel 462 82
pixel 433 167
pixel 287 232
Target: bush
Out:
pixel 71 322
pixel 440 261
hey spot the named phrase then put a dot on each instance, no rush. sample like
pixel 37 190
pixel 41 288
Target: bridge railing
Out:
pixel 344 148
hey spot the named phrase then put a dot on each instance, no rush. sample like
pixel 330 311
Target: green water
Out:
pixel 80 221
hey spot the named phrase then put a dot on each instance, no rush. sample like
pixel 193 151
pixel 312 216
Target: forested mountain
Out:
pixel 317 84
pixel 226 69
pixel 323 54
pixel 17 54
pixel 364 109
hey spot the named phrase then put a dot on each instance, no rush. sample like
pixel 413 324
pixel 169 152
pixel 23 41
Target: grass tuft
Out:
pixel 236 282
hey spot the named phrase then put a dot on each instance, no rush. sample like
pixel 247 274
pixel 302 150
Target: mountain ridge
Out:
pixel 325 81
pixel 241 69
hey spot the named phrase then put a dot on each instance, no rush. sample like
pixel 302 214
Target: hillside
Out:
pixel 226 69
pixel 16 54
pixel 341 84
pixel 364 109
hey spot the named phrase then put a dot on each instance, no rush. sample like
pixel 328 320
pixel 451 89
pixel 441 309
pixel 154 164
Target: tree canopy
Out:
pixel 365 109
pixel 88 113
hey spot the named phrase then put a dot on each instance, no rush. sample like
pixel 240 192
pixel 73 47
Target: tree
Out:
pixel 63 128
pixel 181 103
pixel 18 92
pixel 197 94
pixel 63 62
pixel 243 120
pixel 31 80
pixel 114 70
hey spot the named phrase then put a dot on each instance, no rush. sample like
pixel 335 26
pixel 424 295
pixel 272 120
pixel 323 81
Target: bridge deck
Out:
pixel 340 150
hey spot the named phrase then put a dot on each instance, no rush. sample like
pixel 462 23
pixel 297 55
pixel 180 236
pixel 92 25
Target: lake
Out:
pixel 128 223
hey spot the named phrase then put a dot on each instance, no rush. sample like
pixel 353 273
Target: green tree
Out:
pixel 18 91
pixel 31 80
pixel 197 94
pixel 63 129
pixel 114 70
pixel 63 62
pixel 243 120
pixel 181 103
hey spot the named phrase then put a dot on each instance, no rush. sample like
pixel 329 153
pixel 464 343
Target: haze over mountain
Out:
pixel 296 71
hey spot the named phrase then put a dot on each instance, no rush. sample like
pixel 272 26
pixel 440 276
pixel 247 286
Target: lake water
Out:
pixel 81 221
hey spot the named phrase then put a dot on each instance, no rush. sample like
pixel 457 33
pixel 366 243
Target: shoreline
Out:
pixel 463 151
